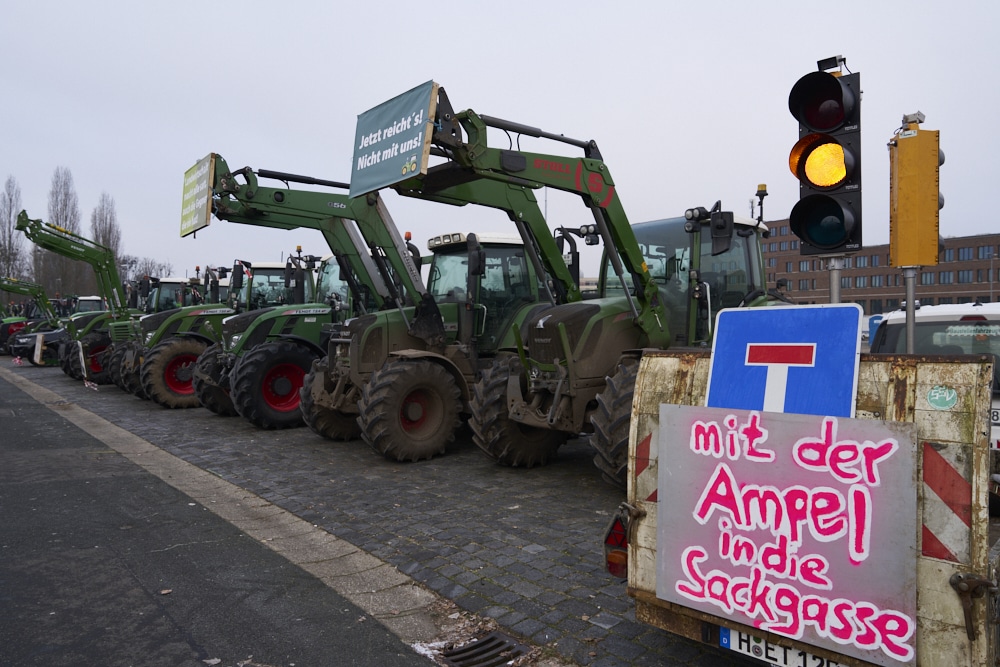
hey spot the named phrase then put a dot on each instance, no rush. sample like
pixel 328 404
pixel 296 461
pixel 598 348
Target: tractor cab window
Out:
pixel 504 288
pixel 166 297
pixel 729 275
pixel 449 275
pixel 269 289
pixel 330 288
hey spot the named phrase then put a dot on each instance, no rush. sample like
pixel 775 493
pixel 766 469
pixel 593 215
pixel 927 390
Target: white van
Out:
pixel 964 328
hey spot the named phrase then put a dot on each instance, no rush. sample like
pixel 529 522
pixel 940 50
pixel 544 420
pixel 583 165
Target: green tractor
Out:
pixel 17 335
pixel 157 358
pixel 85 337
pixel 234 376
pixel 256 367
pixel 404 388
pixel 661 285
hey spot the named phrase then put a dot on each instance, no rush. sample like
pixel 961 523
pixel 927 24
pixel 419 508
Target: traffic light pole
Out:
pixel 835 265
pixel 910 282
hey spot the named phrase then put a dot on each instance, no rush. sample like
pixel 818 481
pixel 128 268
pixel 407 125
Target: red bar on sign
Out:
pixel 772 353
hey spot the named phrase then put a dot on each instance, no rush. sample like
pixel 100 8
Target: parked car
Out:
pixel 964 328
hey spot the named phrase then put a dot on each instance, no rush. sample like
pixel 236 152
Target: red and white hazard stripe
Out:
pixel 646 482
pixel 947 504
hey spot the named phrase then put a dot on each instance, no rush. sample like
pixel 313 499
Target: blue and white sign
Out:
pixel 796 359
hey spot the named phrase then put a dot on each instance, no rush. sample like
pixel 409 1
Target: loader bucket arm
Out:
pixel 66 243
pixel 287 209
pixel 388 261
pixel 453 185
pixel 461 138
pixel 32 290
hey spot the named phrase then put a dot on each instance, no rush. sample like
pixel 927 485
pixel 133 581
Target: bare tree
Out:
pixel 104 227
pixel 64 208
pixel 13 259
pixel 56 272
pixel 152 268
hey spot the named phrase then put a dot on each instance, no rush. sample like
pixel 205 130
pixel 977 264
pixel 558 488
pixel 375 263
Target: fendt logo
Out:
pixel 549 165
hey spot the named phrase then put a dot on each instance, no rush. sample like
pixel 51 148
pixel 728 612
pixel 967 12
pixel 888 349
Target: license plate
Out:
pixel 773 654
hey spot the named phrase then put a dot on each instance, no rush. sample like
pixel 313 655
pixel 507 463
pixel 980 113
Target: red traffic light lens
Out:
pixel 821 161
pixel 821 102
pixel 821 221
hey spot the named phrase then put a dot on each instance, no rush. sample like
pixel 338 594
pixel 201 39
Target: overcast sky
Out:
pixel 688 101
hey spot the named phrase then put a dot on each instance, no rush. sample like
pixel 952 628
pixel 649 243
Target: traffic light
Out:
pixel 915 158
pixel 827 160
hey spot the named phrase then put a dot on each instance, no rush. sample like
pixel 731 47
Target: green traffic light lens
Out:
pixel 821 221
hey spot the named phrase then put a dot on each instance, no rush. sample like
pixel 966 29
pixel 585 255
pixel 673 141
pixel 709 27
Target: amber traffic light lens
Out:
pixel 824 166
pixel 821 161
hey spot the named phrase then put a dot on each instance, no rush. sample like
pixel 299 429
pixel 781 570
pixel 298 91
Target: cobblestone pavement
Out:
pixel 520 546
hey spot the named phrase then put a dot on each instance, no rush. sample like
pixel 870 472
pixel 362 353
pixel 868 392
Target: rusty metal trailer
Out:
pixel 944 563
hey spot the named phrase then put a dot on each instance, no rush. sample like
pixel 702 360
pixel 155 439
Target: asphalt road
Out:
pixel 103 563
pixel 437 551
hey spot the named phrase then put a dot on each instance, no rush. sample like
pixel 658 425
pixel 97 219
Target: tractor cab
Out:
pixel 270 286
pixel 697 276
pixel 487 274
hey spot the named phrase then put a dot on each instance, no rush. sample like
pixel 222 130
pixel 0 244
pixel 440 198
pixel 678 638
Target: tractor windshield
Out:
pixel 667 249
pixel 166 296
pixel 269 289
pixel 449 275
pixel 329 286
pixel 89 306
pixel 730 275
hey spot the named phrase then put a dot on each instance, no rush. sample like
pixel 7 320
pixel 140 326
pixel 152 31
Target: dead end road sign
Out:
pixel 795 359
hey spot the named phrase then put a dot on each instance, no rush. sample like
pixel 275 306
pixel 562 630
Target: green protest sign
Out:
pixel 196 209
pixel 392 140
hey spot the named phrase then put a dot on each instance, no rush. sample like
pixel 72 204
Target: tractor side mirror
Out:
pixel 477 257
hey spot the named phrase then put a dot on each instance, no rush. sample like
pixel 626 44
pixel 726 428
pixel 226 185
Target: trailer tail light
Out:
pixel 616 546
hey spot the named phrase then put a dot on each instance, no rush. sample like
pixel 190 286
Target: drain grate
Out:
pixel 493 650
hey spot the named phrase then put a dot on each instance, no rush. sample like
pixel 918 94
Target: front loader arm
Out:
pixel 521 206
pixel 461 138
pixel 31 290
pixel 237 194
pixel 64 242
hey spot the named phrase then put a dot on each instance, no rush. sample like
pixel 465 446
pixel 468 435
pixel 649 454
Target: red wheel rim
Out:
pixel 177 374
pixel 281 387
pixel 94 361
pixel 414 411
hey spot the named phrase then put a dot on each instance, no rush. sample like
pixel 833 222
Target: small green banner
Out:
pixel 393 140
pixel 196 210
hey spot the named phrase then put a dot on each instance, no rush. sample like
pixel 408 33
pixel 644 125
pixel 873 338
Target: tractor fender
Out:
pixel 305 342
pixel 196 335
pixel 445 362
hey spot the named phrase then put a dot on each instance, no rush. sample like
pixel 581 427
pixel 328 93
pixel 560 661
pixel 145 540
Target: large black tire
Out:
pixel 331 424
pixel 94 345
pixel 503 440
pixel 64 348
pixel 611 423
pixel 266 383
pixel 167 370
pixel 69 359
pixel 130 369
pixel 207 382
pixel 114 364
pixel 409 410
